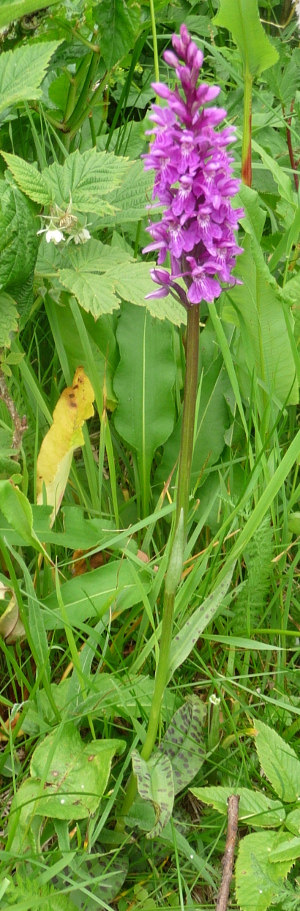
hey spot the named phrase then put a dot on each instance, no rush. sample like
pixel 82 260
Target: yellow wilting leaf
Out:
pixel 65 435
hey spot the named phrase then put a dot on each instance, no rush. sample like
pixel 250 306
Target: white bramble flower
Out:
pixel 82 236
pixel 55 235
pixel 297 11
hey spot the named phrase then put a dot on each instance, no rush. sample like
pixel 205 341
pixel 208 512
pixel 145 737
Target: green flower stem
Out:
pixel 188 417
pixel 177 548
pixel 154 35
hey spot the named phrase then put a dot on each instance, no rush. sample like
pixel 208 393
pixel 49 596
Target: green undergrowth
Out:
pixel 82 591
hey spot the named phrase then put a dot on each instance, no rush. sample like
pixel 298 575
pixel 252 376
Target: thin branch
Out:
pixel 228 859
pixel 20 424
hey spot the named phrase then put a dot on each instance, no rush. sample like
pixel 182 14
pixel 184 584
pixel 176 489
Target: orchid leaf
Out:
pixel 155 783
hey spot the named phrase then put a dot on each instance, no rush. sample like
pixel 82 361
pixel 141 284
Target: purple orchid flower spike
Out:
pixel 193 180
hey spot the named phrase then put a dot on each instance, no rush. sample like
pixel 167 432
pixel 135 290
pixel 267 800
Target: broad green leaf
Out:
pixel 155 783
pixel 94 292
pixel 131 200
pixel 90 595
pixel 279 762
pixel 16 9
pixel 292 821
pixel 76 772
pixel 241 18
pixel 143 384
pixel 183 742
pixel 28 178
pixel 264 350
pixel 258 881
pixel 22 71
pixel 254 807
pixel 102 340
pixel 81 182
pixel 16 508
pixel 18 238
pixel 85 179
pixel 185 640
pixel 74 406
pixel 118 22
pixel 8 319
pixel 285 848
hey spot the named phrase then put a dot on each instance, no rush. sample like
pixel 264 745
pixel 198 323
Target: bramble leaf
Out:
pixel 258 881
pixel 279 762
pixel 254 807
pixel 22 71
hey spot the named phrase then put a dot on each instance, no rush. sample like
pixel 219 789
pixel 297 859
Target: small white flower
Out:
pixel 215 700
pixel 82 236
pixel 55 235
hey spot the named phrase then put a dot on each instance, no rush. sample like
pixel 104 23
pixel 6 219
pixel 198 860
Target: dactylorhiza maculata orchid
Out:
pixel 193 180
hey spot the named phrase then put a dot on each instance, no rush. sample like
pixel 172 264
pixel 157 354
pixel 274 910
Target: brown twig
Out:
pixel 20 424
pixel 228 859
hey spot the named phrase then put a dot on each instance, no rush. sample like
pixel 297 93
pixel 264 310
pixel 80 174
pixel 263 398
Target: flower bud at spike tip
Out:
pixel 194 182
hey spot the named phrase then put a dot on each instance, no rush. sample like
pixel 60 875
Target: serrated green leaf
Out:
pixel 28 178
pixel 18 239
pixel 183 742
pixel 155 783
pixel 131 200
pixel 22 71
pixel 8 319
pixel 85 179
pixel 16 9
pixel 185 640
pixel 292 821
pixel 145 413
pixel 279 762
pixel 286 848
pixel 254 46
pixel 76 772
pixel 95 293
pixel 254 807
pixel 258 881
pixel 118 22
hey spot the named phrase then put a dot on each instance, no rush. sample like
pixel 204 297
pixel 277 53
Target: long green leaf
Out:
pixel 143 384
pixel 241 18
pixel 264 350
